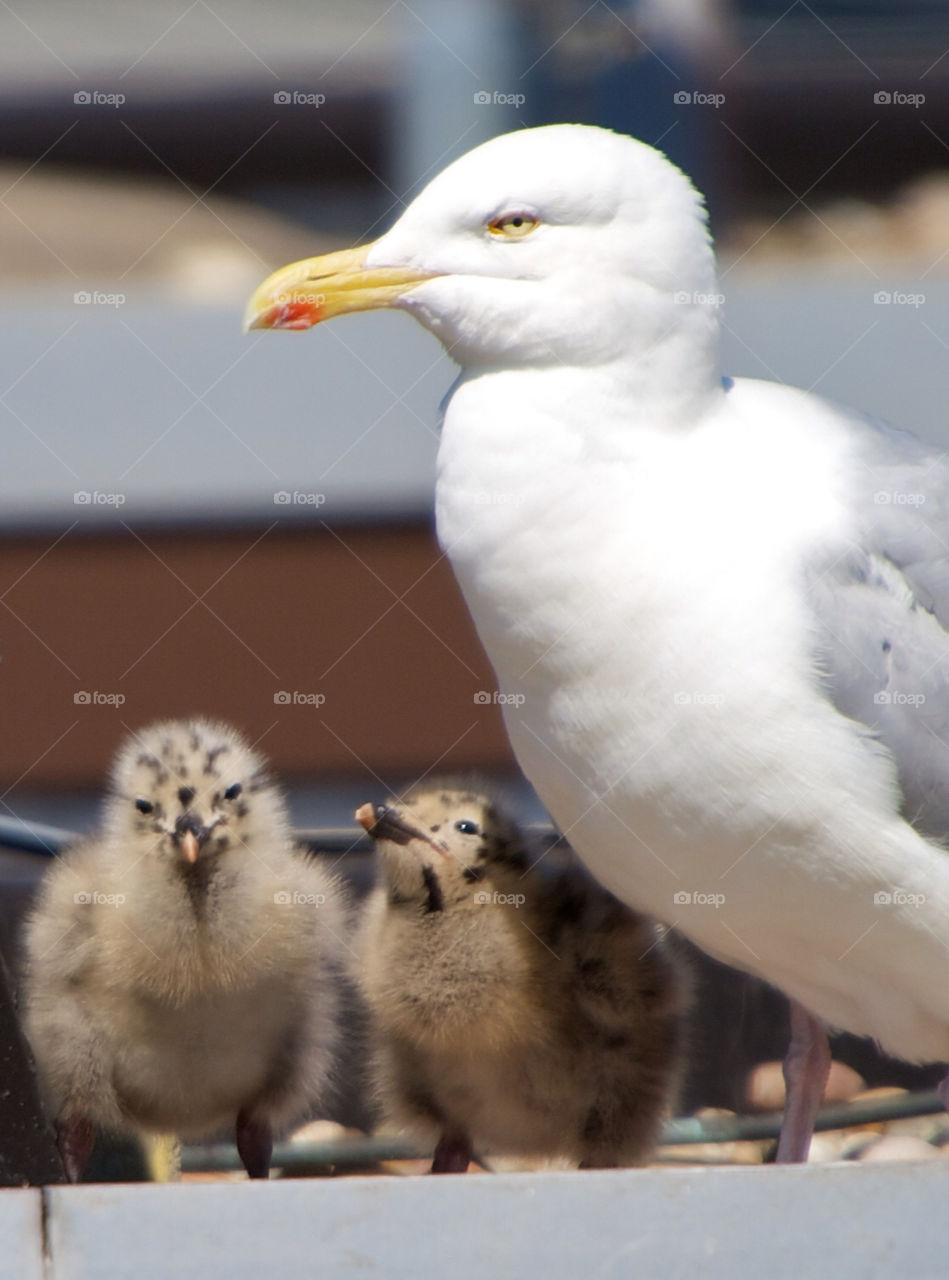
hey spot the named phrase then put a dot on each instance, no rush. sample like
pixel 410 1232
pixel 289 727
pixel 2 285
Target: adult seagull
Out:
pixel 723 603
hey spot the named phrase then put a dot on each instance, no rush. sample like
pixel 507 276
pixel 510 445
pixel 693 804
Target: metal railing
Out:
pixel 48 841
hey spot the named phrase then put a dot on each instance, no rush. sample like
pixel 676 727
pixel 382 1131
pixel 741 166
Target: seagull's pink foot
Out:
pixel 943 1090
pixel 806 1069
pixel 254 1145
pixel 75 1138
pixel 452 1155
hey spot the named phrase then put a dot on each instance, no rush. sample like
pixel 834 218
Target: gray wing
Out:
pixel 883 614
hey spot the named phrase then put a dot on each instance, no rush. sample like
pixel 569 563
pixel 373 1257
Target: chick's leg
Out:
pixel 75 1138
pixel 254 1144
pixel 453 1154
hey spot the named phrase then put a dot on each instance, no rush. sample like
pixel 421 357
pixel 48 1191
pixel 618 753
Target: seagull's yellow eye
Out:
pixel 513 225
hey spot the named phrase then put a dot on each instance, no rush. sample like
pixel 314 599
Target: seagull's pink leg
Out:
pixel 943 1090
pixel 806 1069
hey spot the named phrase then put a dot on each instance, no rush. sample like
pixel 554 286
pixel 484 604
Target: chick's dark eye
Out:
pixel 467 827
pixel 143 805
pixel 233 791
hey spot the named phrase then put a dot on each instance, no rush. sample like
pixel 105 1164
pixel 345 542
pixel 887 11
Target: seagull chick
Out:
pixel 183 963
pixel 717 608
pixel 517 1007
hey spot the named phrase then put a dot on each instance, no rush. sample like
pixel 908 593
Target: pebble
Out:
pixel 899 1147
pixel 764 1087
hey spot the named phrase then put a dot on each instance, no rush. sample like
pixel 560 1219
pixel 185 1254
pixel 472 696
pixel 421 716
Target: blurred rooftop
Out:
pixel 152 172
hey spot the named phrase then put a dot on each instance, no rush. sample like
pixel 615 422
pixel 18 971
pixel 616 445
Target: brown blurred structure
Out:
pixel 255 625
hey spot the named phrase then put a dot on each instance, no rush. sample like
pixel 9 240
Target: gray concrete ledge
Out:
pixel 841 1221
pixel 21 1231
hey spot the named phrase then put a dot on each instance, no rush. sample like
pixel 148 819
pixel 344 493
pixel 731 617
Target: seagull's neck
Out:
pixel 529 456
pixel 668 384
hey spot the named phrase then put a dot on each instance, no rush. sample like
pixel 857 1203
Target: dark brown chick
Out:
pixel 517 1007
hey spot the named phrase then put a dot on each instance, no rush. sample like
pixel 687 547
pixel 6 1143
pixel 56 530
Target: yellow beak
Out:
pixel 304 293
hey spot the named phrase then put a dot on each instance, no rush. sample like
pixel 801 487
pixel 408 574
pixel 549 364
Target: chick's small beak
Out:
pixel 314 289
pixel 189 847
pixel 365 815
pixel 191 835
pixel 385 823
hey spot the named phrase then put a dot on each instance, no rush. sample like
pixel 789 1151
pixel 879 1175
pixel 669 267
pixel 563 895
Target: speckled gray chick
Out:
pixel 516 1006
pixel 183 963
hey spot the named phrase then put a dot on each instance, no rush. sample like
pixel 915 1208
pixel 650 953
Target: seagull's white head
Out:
pixel 190 791
pixel 566 244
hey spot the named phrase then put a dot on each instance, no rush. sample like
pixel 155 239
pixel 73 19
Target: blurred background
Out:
pixel 194 521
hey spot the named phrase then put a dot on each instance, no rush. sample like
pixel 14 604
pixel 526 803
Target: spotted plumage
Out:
pixel 529 1012
pixel 183 962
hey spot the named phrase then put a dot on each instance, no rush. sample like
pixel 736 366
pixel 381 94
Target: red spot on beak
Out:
pixel 293 315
